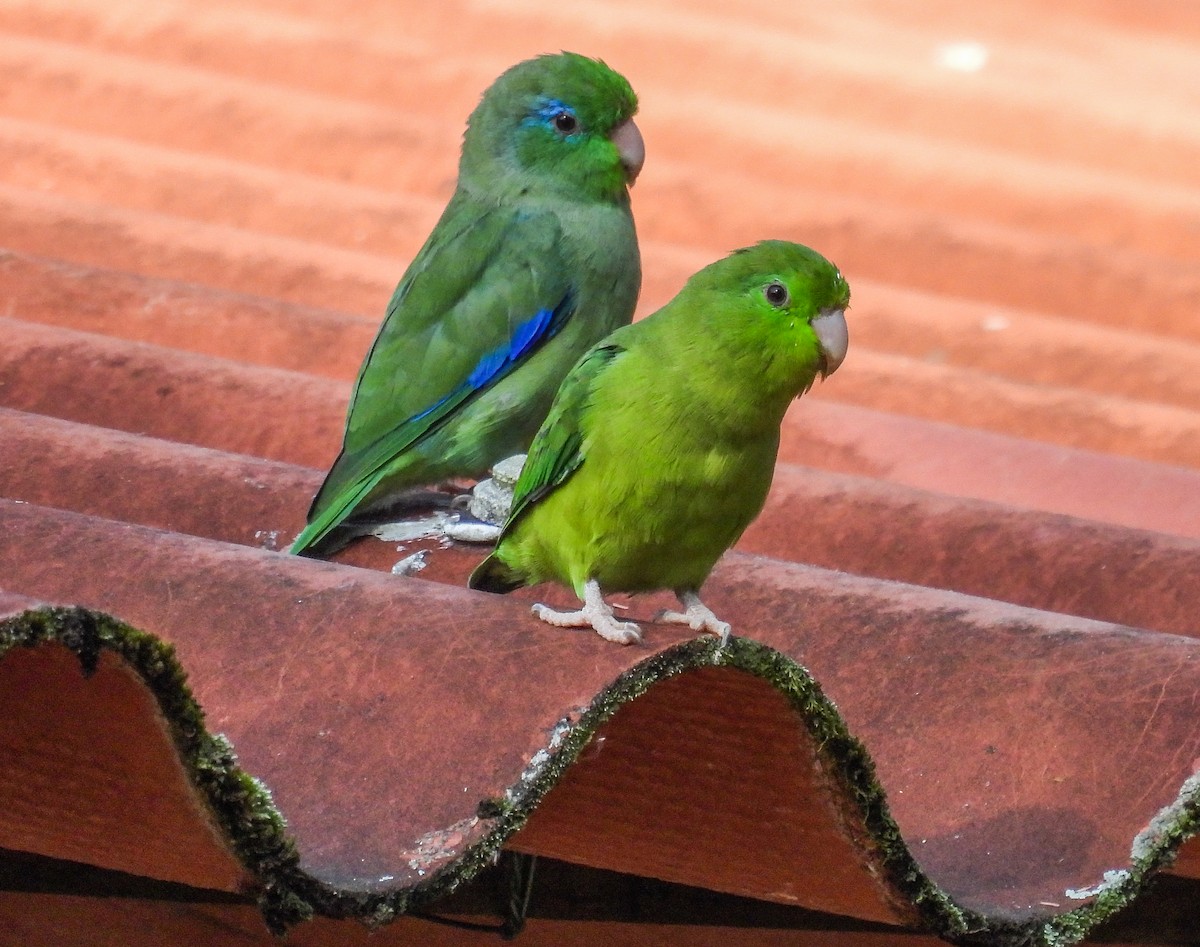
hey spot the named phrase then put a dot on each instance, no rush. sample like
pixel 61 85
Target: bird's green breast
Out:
pixel 652 505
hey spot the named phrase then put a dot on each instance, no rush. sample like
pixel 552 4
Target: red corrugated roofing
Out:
pixel 963 688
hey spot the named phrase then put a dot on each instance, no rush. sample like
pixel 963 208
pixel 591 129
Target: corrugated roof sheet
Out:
pixel 963 693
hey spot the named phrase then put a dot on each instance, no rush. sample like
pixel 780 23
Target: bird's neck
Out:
pixel 718 403
pixel 504 184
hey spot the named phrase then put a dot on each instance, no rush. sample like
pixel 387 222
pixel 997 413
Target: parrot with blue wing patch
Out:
pixel 534 259
pixel 661 444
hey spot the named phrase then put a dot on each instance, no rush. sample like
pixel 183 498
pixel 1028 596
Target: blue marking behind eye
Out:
pixel 547 110
pixel 552 107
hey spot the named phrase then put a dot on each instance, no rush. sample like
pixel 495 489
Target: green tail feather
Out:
pixel 309 541
pixel 495 575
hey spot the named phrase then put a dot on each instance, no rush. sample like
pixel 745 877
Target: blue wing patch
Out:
pixel 543 325
pixel 487 367
pixel 528 332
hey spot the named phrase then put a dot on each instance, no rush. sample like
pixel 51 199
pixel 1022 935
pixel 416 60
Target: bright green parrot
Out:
pixel 660 446
pixel 534 259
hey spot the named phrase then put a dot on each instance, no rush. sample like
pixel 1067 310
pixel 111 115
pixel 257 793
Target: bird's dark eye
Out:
pixel 565 122
pixel 776 293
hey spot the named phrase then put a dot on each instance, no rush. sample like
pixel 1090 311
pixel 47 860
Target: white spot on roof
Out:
pixel 962 56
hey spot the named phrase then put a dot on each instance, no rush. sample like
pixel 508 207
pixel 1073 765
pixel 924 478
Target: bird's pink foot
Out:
pixel 595 614
pixel 697 616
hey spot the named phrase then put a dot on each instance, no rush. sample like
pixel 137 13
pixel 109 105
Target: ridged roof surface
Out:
pixel 964 687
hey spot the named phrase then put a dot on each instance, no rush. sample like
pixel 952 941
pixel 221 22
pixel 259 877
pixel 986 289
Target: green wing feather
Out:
pixel 480 276
pixel 556 451
pixel 555 454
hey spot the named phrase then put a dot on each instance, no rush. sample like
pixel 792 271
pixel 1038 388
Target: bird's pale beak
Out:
pixel 834 338
pixel 630 147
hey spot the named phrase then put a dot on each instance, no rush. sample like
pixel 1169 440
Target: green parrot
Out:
pixel 661 443
pixel 534 259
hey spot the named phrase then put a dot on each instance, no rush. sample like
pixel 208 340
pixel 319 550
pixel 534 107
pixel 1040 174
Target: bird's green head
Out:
pixel 787 302
pixel 557 124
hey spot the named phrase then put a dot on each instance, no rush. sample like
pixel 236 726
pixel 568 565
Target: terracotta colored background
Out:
pixel 204 208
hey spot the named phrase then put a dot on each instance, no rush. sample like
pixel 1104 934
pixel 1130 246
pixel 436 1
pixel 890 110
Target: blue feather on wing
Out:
pixel 543 325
